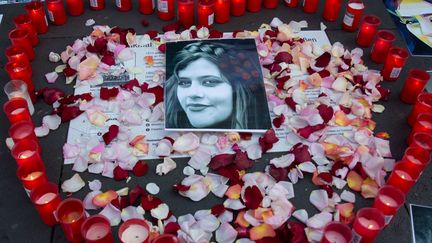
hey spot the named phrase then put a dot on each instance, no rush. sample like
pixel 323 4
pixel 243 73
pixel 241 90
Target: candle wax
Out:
pixel 413 160
pixel 388 201
pixel 97 231
pixel 334 237
pixel 46 198
pixel 32 176
pixel 404 175
pixel 369 224
pixel 70 217
pixel 26 154
pixel 17 111
pixel 134 234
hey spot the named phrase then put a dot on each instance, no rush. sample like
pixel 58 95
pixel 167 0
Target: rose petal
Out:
pixel 130 212
pixel 112 133
pixel 42 131
pixel 152 188
pixel 261 231
pixel 74 184
pixel 355 181
pixel 301 215
pixel 112 213
pixel 226 233
pixel 102 199
pixel 165 167
pixel 318 221
pixel 319 199
pixel 51 77
pixel 160 212
pixel 186 143
pixel 369 188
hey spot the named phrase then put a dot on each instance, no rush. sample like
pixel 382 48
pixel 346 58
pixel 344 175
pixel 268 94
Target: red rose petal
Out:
pixel 121 202
pixel 194 34
pixel 242 232
pixel 280 82
pixel 344 109
pixel 120 174
pixel 271 33
pixel 171 228
pixel 215 34
pixel 291 103
pixel 218 209
pixel 157 91
pixel 385 93
pixel 130 85
pixel 301 153
pixel 245 135
pixel 70 112
pixel 277 122
pixel 68 72
pixel 140 168
pixel 100 44
pixel 148 202
pixel 326 112
pixel 108 60
pixel 295 232
pixel 145 22
pixel 324 73
pixel 181 187
pixel 283 57
pixel 162 48
pixel 323 60
pixel 326 177
pixel 221 160
pixel 328 189
pixel 152 34
pixel 279 174
pixel 112 133
pixel 171 27
pixel 308 130
pixel 231 173
pixel 242 161
pixel 267 140
pixel 51 95
pixel 252 197
pixel 135 194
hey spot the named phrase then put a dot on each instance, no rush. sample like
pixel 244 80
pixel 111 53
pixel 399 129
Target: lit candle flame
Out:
pixel 370 226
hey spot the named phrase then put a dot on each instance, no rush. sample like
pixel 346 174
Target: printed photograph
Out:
pixel 215 85
pixel 421 221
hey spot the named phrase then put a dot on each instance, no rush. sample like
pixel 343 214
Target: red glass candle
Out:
pixel 383 43
pixel 416 157
pixel 75 7
pixel 23 21
pixel 353 14
pixel 22 130
pixel 26 151
pixel 331 9
pixel 46 199
pixel 238 7
pixel 269 4
pixel 166 238
pixel 310 6
pixel 97 229
pixel 166 9
pixel 97 5
pixel 32 175
pixel 21 71
pixel 146 6
pixel 134 229
pixel 21 38
pixel 254 5
pixel 291 3
pixel 423 104
pixel 123 5
pixel 37 15
pixel 414 85
pixel 422 124
pixel 205 13
pixel 368 30
pixel 336 232
pixel 367 224
pixel 16 54
pixel 71 215
pixel 388 200
pixel 394 63
pixel 56 12
pixel 403 176
pixel 16 110
pixel 222 11
pixel 185 13
pixel 422 140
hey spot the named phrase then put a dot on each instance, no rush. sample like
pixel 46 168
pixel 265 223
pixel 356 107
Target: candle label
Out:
pixel 356 237
pixel 163 6
pixel 388 218
pixel 348 19
pixel 118 3
pixel 94 3
pixel 211 19
pixel 395 72
pixel 51 16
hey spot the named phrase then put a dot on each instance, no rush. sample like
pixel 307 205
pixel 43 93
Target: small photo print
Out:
pixel 421 222
pixel 215 85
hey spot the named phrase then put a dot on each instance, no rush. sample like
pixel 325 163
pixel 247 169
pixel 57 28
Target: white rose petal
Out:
pixel 152 188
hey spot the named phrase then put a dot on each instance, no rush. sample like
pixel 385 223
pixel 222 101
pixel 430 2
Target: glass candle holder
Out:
pixel 134 229
pixel 16 54
pixel 165 9
pixel 422 140
pixel 422 124
pixel 291 3
pixel 32 175
pixel 254 5
pixel 71 215
pixel 185 13
pixel 75 7
pixel 270 4
pixel 403 177
pixel 36 12
pixel 388 200
pixel 414 85
pixel 97 5
pixel 22 130
pixel 166 238
pixel 238 7
pixel 18 89
pixel 56 12
pixel 368 30
pixel 146 6
pixel 21 71
pixel 46 198
pixel 336 232
pixel 21 38
pixel 123 5
pixel 97 229
pixel 205 13
pixel 423 104
pixel 382 45
pixel 394 63
pixel 23 21
pixel 16 110
pixel 222 11
pixel 353 14
pixel 332 9
pixel 26 151
pixel 416 157
pixel 310 6
pixel 367 224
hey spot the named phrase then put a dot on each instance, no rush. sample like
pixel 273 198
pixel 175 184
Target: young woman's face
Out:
pixel 205 97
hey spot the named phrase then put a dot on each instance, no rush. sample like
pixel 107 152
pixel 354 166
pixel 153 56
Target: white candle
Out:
pixel 369 224
pixel 33 176
pixel 135 233
pixel 46 198
pixel 334 237
pixel 426 124
pixel 356 5
pixel 388 201
pixel 97 231
pixel 17 111
pixel 26 154
pixel 403 175
pixel 414 160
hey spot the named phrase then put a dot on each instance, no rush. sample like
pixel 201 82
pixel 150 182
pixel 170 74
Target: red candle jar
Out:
pixel 310 6
pixel 331 10
pixel 185 13
pixel 388 200
pixel 71 215
pixel 291 3
pixel 21 38
pixel 97 5
pixel 97 229
pixel 367 224
pixel 205 13
pixel 416 157
pixel 422 124
pixel 123 5
pixel 16 110
pixel 403 176
pixel 166 238
pixel 75 7
pixel 32 175
pixel 394 62
pixel 46 198
pixel 146 6
pixel 383 43
pixel 21 71
pixel 22 130
pixel 23 21
pixel 368 29
pixel 37 15
pixel 166 9
pixel 134 229
pixel 422 140
pixel 222 11
pixel 238 7
pixel 269 4
pixel 26 151
pixel 254 5
pixel 414 85
pixel 336 232
pixel 353 14
pixel 423 104
pixel 56 12
pixel 16 54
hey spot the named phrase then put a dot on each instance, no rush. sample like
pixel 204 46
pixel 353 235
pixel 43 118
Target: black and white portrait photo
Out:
pixel 215 85
pixel 421 221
